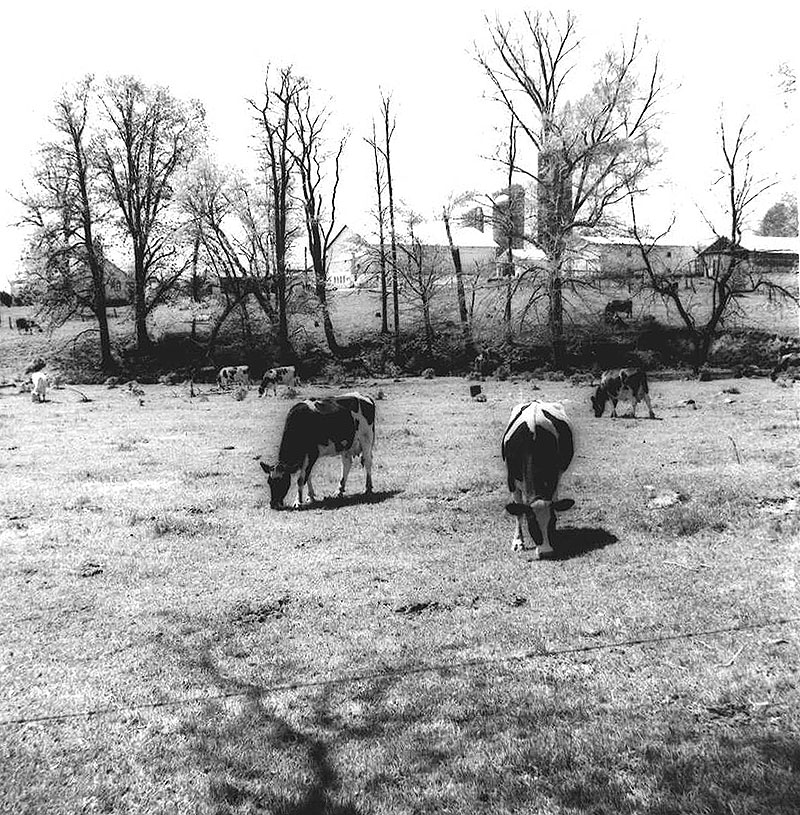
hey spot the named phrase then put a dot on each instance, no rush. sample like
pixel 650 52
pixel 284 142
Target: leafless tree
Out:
pixel 149 137
pixel 231 221
pixel 455 254
pixel 731 274
pixel 65 253
pixel 591 150
pixel 277 153
pixel 421 268
pixel 380 216
pixel 389 123
pixel 319 172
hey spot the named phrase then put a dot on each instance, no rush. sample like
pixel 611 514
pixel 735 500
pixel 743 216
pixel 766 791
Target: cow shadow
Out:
pixel 355 499
pixel 571 541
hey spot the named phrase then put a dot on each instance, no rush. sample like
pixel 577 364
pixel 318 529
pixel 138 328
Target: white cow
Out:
pixel 39 389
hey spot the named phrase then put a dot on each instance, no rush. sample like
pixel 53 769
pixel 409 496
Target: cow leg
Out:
pixel 646 399
pixel 304 476
pixel 366 460
pixel 300 481
pixel 347 463
pixel 519 539
pixel 311 495
pixel 613 408
pixel 634 402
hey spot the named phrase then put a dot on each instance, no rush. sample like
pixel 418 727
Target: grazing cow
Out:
pixel 325 426
pixel 537 448
pixel 39 389
pixel 616 307
pixel 27 324
pixel 787 361
pixel 629 384
pixel 233 375
pixel 277 376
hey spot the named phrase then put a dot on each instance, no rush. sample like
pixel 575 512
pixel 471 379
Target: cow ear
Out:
pixel 517 509
pixel 267 468
pixel 563 504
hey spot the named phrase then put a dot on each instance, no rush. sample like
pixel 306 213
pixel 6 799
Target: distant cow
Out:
pixel 39 386
pixel 537 448
pixel 616 307
pixel 27 324
pixel 786 361
pixel 629 384
pixel 326 426
pixel 277 376
pixel 233 375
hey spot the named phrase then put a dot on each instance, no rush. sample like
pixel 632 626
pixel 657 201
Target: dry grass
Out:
pixel 141 569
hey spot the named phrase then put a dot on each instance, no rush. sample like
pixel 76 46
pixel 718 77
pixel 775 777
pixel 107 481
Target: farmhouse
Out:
pixel 119 284
pixel 619 257
pixel 349 261
pixel 758 252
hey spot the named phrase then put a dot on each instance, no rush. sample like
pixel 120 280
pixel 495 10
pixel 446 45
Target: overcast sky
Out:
pixel 421 52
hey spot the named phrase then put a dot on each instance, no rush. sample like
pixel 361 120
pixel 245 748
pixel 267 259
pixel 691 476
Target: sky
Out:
pixel 423 53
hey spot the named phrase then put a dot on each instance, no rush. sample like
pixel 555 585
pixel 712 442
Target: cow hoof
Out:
pixel 546 554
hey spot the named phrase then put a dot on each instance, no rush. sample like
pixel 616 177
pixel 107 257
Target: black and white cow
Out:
pixel 326 426
pixel 27 324
pixel 537 448
pixel 277 376
pixel 233 375
pixel 629 384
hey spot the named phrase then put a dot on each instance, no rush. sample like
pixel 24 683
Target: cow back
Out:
pixel 537 447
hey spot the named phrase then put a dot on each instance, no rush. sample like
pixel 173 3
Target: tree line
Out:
pixel 128 162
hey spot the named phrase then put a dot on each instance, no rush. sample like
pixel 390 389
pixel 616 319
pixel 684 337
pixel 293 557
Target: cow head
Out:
pixel 278 480
pixel 541 516
pixel 599 402
pixel 268 379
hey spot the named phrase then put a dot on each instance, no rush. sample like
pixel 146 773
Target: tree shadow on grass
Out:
pixel 389 742
pixel 356 499
pixel 571 541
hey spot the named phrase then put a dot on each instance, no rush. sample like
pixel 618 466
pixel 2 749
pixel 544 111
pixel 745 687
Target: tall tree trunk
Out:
pixel 284 346
pixel 466 328
pixel 381 236
pixel 554 204
pixel 512 155
pixel 143 343
pixel 327 323
pixel 556 314
pixel 393 236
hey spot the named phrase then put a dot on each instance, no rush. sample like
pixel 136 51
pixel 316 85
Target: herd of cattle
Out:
pixel 537 445
pixel 537 448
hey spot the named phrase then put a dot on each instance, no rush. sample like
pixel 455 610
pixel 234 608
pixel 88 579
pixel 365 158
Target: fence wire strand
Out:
pixel 444 668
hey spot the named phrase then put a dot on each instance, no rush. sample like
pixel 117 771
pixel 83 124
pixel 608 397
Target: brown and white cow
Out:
pixel 629 384
pixel 537 448
pixel 277 376
pixel 233 375
pixel 326 426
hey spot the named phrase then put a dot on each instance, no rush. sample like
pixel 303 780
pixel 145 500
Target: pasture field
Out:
pixel 168 644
